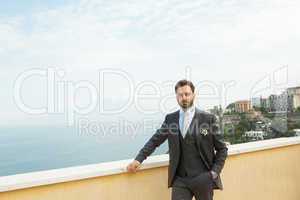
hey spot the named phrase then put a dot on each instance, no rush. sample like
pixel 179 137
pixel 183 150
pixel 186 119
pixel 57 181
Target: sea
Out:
pixel 26 149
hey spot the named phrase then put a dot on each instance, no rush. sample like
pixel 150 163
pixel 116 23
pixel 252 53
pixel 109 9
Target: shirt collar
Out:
pixel 189 110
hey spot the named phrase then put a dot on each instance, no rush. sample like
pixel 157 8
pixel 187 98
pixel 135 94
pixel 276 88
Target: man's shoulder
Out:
pixel 172 114
pixel 206 114
pixel 198 110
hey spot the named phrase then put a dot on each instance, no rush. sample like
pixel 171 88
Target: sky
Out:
pixel 249 47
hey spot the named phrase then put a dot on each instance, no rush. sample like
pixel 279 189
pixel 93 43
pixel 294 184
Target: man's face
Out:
pixel 185 96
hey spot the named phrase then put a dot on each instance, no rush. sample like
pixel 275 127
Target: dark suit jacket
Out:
pixel 210 143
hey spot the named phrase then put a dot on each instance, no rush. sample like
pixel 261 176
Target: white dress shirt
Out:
pixel 189 114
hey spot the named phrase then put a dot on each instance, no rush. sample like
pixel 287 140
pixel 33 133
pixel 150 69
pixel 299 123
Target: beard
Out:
pixel 186 104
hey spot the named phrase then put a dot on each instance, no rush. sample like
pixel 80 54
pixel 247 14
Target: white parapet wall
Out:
pixel 40 178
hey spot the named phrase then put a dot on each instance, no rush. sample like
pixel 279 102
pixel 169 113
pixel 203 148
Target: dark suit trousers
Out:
pixel 201 187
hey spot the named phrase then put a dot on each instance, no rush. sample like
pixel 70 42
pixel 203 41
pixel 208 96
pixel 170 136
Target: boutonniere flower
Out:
pixel 203 131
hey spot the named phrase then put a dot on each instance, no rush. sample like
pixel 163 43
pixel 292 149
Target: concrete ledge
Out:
pixel 27 180
pixel 262 145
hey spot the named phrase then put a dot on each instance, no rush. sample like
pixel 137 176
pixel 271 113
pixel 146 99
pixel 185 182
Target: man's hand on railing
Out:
pixel 133 166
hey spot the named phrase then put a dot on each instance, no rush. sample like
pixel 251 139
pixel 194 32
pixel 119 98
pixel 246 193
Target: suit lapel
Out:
pixel 196 121
pixel 198 118
pixel 177 128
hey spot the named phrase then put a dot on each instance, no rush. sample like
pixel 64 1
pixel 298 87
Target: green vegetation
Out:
pixel 235 133
pixel 281 126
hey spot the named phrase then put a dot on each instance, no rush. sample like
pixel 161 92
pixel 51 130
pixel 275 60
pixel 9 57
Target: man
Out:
pixel 197 151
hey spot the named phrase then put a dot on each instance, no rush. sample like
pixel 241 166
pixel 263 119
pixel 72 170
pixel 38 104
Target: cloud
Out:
pixel 101 31
pixel 156 40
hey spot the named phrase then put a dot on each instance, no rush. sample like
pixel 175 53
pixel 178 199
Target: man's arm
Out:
pixel 156 140
pixel 220 147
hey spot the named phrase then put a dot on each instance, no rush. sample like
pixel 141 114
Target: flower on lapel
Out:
pixel 203 131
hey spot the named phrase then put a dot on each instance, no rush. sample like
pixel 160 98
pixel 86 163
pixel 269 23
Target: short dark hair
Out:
pixel 184 82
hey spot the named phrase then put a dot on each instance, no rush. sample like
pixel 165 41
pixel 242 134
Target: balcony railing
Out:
pixel 263 170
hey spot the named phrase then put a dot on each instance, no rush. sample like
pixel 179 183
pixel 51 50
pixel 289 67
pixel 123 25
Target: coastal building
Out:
pixel 242 106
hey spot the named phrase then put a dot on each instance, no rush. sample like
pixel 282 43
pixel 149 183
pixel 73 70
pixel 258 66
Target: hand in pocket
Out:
pixel 202 181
